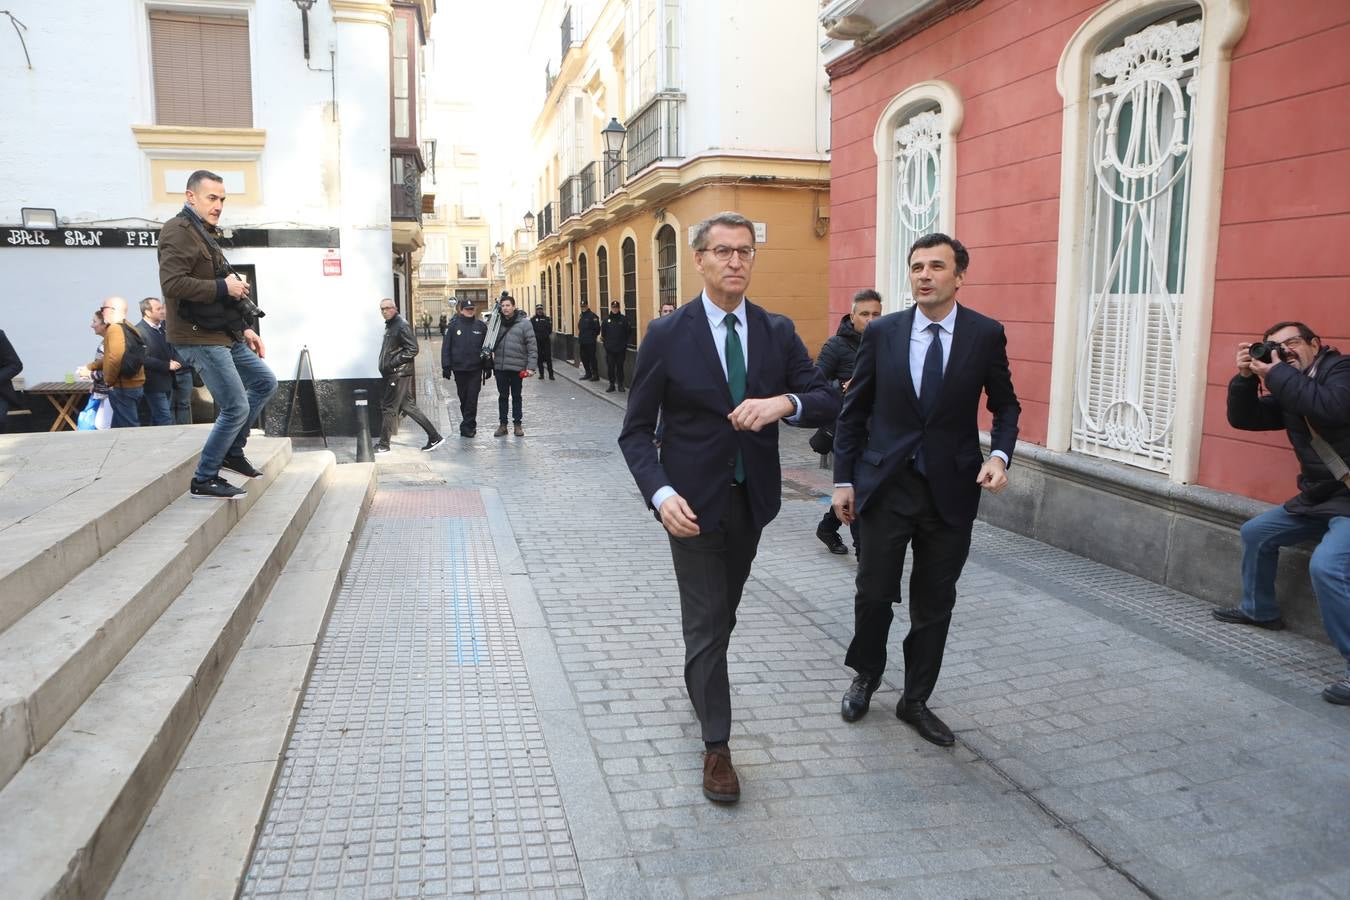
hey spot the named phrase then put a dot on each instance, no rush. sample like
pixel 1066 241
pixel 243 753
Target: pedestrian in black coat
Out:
pixel 462 359
pixel 543 337
pixel 836 364
pixel 615 334
pixel 588 331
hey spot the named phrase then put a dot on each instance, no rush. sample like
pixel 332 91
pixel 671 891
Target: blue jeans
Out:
pixel 241 384
pixel 158 403
pixel 182 396
pixel 1329 568
pixel 126 406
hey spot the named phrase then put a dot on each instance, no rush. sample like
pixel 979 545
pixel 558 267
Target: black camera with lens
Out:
pixel 245 303
pixel 1266 351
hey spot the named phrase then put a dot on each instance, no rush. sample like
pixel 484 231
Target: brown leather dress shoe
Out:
pixel 719 776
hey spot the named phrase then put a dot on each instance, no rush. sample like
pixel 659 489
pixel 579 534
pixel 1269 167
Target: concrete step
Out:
pixel 69 815
pixel 235 757
pixel 54 657
pixel 68 498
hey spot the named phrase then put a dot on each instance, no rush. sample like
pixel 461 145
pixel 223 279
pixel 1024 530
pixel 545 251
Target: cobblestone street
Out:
pixel 498 708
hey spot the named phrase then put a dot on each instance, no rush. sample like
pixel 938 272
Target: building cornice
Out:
pixel 904 30
pixel 200 139
pixel 363 12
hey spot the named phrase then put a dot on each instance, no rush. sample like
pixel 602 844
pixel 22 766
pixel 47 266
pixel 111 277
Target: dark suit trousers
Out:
pixel 396 402
pixel 468 384
pixel 614 364
pixel 711 570
pixel 546 357
pixel 899 515
pixel 589 364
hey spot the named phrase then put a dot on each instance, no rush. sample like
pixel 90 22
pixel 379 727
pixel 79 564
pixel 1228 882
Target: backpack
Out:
pixel 133 356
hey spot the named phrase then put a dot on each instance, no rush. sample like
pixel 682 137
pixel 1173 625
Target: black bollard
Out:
pixel 363 453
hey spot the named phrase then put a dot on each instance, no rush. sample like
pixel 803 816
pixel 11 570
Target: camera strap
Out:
pixel 1330 458
pixel 211 243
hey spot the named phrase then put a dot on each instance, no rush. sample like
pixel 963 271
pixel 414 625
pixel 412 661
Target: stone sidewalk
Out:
pixel 499 709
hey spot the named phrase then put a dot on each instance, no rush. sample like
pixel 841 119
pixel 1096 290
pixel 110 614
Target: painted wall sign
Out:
pixel 123 238
pixel 79 237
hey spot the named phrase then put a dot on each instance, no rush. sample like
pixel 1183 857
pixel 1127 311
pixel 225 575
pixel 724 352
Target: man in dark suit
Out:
pixel 161 362
pixel 722 372
pixel 908 466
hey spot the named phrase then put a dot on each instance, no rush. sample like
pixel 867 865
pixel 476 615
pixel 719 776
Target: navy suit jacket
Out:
pixel 679 374
pixel 158 354
pixel 881 426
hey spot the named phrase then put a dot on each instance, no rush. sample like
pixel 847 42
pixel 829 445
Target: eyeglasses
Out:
pixel 1292 343
pixel 723 253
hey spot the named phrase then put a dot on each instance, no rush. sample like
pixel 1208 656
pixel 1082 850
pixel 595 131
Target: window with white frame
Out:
pixel 471 256
pixel 917 201
pixel 651 50
pixel 915 143
pixel 201 70
pixel 1137 231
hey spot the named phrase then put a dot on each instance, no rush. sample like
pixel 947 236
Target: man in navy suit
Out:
pixel 908 466
pixel 722 372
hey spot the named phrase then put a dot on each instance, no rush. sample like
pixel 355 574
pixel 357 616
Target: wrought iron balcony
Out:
pixel 543 222
pixel 613 174
pixel 654 133
pixel 587 177
pixel 472 272
pixel 406 187
pixel 434 272
pixel 569 199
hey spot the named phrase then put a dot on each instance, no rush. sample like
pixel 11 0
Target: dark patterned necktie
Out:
pixel 931 385
pixel 735 378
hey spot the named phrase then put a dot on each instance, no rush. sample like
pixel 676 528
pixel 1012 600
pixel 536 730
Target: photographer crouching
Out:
pixel 1308 395
pixel 213 322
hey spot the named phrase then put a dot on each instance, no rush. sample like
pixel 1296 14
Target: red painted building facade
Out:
pixel 1191 224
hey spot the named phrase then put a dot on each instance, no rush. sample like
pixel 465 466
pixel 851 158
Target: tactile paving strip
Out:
pixel 1283 656
pixel 418 767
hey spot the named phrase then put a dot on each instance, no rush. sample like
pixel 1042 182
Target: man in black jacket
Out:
pixel 462 359
pixel 161 362
pixel 396 368
pixel 615 335
pixel 1307 395
pixel 588 329
pixel 10 365
pixel 836 364
pixel 543 337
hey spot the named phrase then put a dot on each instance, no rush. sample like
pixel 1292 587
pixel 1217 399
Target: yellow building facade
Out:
pixel 610 226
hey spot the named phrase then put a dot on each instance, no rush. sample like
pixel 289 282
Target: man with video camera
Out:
pixel 1308 395
pixel 213 322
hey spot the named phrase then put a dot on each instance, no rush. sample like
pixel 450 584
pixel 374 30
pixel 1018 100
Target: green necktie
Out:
pixel 735 379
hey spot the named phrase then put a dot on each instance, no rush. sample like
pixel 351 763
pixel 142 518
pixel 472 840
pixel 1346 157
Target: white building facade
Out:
pixel 105 136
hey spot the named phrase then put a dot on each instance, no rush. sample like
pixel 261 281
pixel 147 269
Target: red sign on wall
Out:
pixel 332 263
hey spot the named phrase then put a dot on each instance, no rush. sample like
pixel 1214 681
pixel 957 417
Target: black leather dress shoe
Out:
pixel 858 697
pixel 929 726
pixel 832 540
pixel 1235 616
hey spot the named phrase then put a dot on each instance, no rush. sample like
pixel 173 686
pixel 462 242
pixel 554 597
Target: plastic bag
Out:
pixel 103 418
pixel 87 419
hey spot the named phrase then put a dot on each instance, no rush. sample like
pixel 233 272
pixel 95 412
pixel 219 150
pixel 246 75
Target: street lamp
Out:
pixel 305 6
pixel 613 135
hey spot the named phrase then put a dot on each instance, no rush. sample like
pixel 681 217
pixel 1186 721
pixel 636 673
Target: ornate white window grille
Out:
pixel 1138 212
pixel 918 192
